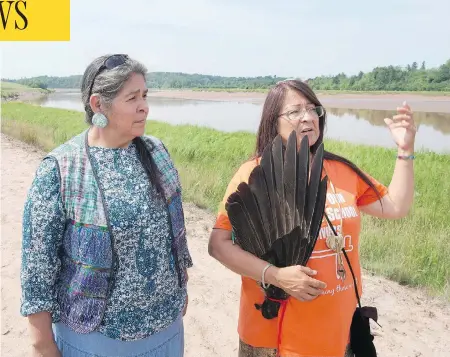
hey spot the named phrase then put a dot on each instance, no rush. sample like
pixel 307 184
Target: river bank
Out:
pixel 16 92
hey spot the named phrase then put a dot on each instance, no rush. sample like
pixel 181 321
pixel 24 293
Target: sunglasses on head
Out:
pixel 109 63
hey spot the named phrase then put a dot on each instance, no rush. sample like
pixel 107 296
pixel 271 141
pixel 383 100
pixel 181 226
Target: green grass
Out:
pixel 11 90
pixel 413 251
pixel 324 92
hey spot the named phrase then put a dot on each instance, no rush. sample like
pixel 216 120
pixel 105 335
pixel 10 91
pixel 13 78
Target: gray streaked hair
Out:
pixel 108 83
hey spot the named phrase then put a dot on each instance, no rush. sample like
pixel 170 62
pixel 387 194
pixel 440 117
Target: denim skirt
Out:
pixel 166 343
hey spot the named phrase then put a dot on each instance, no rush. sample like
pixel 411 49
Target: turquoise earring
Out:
pixel 99 120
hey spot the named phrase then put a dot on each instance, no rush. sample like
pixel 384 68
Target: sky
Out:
pixel 243 37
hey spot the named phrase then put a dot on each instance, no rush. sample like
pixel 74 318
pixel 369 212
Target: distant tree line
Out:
pixel 182 80
pixel 34 83
pixel 73 81
pixel 166 80
pixel 391 78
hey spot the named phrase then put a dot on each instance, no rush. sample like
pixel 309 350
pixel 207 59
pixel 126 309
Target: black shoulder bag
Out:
pixel 361 341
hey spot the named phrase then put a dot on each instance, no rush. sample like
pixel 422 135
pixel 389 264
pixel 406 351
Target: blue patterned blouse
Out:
pixel 146 296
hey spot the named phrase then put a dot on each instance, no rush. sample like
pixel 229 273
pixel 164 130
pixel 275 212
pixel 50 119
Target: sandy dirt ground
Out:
pixel 413 323
pixel 420 103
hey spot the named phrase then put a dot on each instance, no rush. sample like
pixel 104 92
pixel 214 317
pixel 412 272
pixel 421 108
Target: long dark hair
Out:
pixel 267 130
pixel 149 165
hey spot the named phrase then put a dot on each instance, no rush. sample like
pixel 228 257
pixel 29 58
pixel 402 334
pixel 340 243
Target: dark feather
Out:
pixel 313 188
pixel 242 227
pixel 254 215
pixel 278 215
pixel 290 181
pixel 278 171
pixel 302 251
pixel 302 178
pixel 242 208
pixel 257 184
pixel 268 173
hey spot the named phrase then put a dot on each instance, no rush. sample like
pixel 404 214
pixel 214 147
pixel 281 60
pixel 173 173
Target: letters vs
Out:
pixel 18 8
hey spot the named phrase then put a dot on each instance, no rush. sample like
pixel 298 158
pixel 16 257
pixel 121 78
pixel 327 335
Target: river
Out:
pixel 363 126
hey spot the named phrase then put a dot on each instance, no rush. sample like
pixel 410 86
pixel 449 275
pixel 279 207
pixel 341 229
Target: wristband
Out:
pixel 406 157
pixel 233 237
pixel 263 282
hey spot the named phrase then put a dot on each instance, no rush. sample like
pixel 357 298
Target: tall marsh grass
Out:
pixel 414 250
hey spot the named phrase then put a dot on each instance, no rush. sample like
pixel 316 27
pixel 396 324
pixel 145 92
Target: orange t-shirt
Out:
pixel 319 327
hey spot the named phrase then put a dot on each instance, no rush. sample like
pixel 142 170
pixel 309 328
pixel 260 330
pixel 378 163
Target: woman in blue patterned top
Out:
pixel 104 252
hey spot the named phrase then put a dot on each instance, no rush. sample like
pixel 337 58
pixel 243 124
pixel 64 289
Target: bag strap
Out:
pixel 348 261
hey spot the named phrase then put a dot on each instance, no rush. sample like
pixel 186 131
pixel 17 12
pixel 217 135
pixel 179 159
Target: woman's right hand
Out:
pixel 47 350
pixel 297 282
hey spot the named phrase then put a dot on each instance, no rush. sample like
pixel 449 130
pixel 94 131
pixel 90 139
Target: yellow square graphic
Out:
pixel 35 20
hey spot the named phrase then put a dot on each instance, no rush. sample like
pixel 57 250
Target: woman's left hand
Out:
pixel 403 128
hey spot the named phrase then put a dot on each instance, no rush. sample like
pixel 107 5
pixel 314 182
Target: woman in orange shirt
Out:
pixel 318 314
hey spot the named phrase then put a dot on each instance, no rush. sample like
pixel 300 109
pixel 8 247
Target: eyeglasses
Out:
pixel 299 114
pixel 109 63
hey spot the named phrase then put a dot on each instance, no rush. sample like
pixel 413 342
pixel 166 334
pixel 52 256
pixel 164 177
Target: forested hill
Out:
pixel 413 77
pixel 165 80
